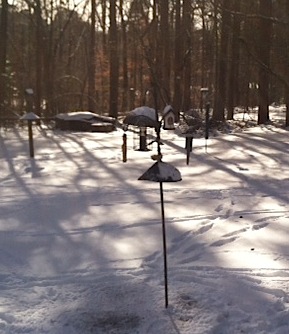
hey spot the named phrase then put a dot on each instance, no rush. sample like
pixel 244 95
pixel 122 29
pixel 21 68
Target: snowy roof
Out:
pixel 77 115
pixel 30 116
pixel 167 109
pixel 161 172
pixel 142 117
pixel 145 111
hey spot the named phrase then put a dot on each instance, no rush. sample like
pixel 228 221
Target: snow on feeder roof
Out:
pixel 168 108
pixel 161 172
pixel 76 115
pixel 142 117
pixel 30 116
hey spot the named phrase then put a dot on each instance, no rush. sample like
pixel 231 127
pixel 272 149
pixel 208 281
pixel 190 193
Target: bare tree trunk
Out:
pixel 187 31
pixel 203 46
pixel 165 49
pixel 3 53
pixel 177 104
pixel 233 89
pixel 113 61
pixel 156 73
pixel 39 58
pixel 125 85
pixel 92 59
pixel 287 65
pixel 264 47
pixel 221 70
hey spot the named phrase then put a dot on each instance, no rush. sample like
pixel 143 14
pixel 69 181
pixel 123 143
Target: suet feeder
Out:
pixel 168 118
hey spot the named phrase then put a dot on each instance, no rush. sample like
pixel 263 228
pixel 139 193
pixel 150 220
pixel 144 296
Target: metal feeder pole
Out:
pixel 30 117
pixel 189 147
pixel 164 245
pixel 158 133
pixel 124 148
pixel 205 93
pixel 207 124
pixel 30 135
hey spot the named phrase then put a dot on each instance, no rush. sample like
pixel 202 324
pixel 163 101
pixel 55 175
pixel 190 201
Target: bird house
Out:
pixel 168 118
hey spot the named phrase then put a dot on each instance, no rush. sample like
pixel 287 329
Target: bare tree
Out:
pixel 3 53
pixel 113 61
pixel 187 33
pixel 125 84
pixel 286 63
pixel 92 59
pixel 264 47
pixel 233 82
pixel 38 56
pixel 177 102
pixel 221 64
pixel 165 49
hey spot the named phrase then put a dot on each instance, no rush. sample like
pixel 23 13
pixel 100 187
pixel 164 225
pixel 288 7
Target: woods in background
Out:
pixel 111 56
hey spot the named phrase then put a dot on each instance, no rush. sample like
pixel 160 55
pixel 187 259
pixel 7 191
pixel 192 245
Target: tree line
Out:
pixel 109 56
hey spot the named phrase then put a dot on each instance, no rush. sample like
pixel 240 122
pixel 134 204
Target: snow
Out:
pixel 144 111
pixel 81 242
pixel 30 116
pixel 77 115
pixel 167 109
pixel 162 172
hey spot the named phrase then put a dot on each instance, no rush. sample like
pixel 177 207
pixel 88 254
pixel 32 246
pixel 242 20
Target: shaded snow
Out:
pixel 81 245
pixel 145 111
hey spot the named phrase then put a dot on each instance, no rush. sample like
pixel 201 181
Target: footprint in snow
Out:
pixel 231 234
pixel 228 213
pixel 196 246
pixel 203 229
pixel 151 260
pixel 223 242
pixel 259 226
pixel 219 208
pixel 191 233
pixel 191 259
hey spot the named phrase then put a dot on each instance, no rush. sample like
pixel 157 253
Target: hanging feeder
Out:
pixel 162 172
pixel 168 118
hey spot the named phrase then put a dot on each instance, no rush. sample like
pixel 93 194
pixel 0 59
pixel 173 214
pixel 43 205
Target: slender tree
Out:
pixel 113 61
pixel 3 53
pixel 187 33
pixel 38 57
pixel 264 48
pixel 125 84
pixel 165 49
pixel 221 65
pixel 233 89
pixel 177 102
pixel 92 59
pixel 286 63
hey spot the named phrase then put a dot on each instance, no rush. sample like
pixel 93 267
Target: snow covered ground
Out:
pixel 81 243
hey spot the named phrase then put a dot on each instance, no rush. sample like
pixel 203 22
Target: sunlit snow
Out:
pixel 81 242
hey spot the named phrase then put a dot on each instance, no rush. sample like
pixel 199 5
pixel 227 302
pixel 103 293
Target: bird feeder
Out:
pixel 168 118
pixel 162 172
pixel 30 117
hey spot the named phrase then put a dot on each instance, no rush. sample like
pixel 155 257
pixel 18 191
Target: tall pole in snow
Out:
pixel 158 140
pixel 164 245
pixel 161 172
pixel 205 93
pixel 207 124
